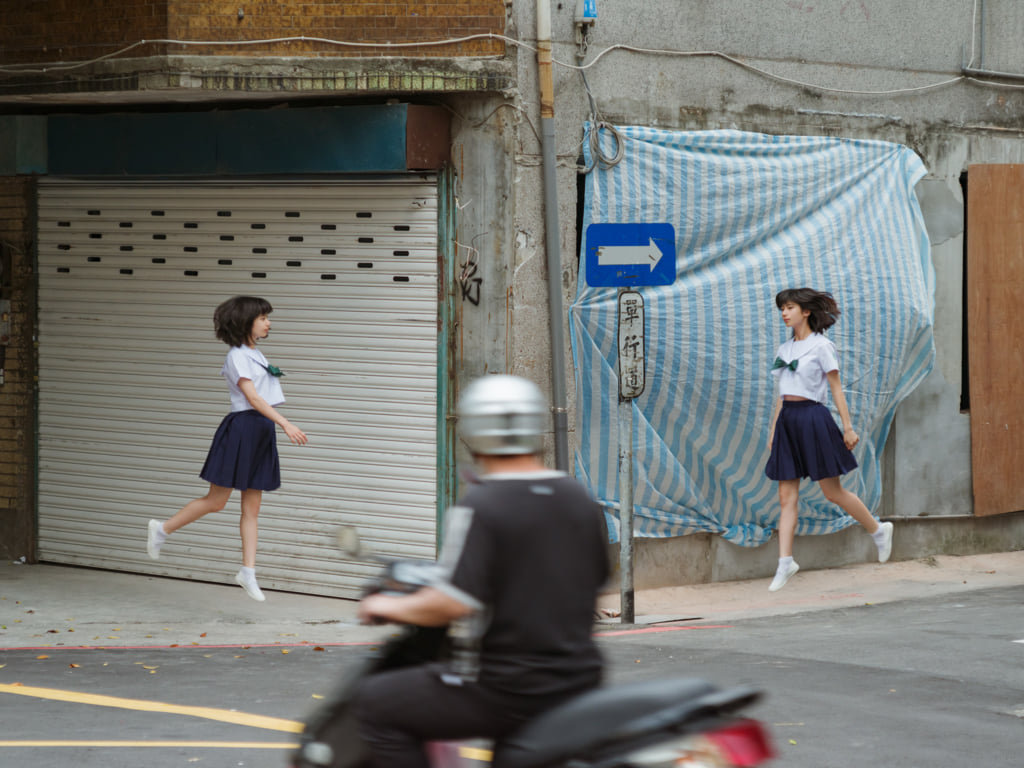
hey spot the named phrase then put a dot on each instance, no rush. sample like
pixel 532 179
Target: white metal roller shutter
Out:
pixel 130 391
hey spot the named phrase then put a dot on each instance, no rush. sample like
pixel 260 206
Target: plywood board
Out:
pixel 995 321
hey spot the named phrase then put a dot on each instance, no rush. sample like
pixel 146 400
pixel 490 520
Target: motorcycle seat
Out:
pixel 609 715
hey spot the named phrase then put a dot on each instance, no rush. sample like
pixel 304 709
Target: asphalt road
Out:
pixel 934 682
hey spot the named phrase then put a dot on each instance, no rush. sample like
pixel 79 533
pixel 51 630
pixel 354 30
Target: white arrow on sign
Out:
pixel 622 255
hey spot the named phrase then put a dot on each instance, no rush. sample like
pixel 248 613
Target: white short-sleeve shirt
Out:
pixel 246 363
pixel 815 358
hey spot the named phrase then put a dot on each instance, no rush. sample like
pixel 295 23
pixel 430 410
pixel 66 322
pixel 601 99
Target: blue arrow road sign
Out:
pixel 623 255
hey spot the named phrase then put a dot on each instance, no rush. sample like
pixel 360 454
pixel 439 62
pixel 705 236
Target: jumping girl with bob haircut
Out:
pixel 243 454
pixel 805 441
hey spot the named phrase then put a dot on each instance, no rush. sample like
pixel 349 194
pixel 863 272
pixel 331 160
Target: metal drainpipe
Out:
pixel 551 235
pixel 988 73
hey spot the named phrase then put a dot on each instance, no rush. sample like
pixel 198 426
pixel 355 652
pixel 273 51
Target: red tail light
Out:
pixel 740 744
pixel 744 742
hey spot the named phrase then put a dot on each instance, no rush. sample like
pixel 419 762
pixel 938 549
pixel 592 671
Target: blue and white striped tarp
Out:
pixel 753 214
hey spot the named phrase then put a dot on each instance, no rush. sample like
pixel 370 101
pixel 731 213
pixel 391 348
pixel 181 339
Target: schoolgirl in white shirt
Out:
pixel 805 441
pixel 243 453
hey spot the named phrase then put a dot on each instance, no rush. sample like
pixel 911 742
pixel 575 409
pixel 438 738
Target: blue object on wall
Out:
pixel 753 214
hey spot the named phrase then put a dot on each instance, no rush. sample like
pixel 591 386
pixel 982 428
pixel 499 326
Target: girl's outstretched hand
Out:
pixel 295 434
pixel 850 438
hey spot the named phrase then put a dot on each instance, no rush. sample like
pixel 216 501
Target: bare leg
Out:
pixel 789 495
pixel 849 501
pixel 248 525
pixel 213 501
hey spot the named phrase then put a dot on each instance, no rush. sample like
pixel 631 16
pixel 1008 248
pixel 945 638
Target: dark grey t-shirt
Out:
pixel 528 552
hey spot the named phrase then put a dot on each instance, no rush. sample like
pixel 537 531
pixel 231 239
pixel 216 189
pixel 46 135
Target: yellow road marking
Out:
pixel 223 715
pixel 476 753
pixel 189 744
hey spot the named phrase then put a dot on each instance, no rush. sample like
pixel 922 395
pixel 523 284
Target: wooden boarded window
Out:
pixel 995 322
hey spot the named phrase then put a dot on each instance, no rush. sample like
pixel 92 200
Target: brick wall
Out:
pixel 17 393
pixel 36 31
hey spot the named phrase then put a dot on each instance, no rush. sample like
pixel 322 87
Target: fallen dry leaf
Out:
pixel 284 650
pixel 318 648
pixel 44 656
pixel 317 696
pixel 73 666
pixel 203 634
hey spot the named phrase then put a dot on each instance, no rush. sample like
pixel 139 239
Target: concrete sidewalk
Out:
pixel 45 606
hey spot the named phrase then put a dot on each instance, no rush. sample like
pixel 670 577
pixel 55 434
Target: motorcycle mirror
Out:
pixel 349 542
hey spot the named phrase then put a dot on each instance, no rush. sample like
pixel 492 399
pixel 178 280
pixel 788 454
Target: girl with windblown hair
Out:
pixel 805 441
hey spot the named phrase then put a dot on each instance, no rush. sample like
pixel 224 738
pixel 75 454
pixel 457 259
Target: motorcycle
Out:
pixel 666 723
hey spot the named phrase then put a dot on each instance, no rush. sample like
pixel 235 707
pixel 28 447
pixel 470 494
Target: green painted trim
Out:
pixel 314 140
pixel 447 256
pixel 32 225
pixel 22 145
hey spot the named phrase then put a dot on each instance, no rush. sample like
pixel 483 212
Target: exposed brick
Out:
pixel 17 401
pixel 70 31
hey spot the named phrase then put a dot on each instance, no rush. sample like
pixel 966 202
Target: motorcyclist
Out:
pixel 523 558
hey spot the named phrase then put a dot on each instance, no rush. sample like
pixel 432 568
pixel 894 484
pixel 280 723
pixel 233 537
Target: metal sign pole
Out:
pixel 632 376
pixel 626 595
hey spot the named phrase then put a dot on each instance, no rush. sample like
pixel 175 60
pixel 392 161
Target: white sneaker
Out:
pixel 885 546
pixel 155 539
pixel 784 574
pixel 252 589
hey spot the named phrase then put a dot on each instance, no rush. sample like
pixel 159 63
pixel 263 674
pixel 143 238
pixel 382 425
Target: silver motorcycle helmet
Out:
pixel 502 415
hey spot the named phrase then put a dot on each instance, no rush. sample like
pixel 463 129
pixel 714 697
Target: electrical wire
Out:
pixel 766 73
pixel 60 67
pixel 597 124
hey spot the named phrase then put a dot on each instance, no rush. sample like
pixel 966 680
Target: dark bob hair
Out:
pixel 823 308
pixel 233 319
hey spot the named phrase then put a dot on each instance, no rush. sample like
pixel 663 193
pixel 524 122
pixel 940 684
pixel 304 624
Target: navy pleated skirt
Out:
pixel 243 454
pixel 807 443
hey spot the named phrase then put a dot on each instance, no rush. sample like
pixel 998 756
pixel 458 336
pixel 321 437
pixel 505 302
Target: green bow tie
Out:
pixel 273 370
pixel 780 363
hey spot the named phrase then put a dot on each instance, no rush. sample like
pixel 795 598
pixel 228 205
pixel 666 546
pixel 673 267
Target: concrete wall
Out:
pixel 871 69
